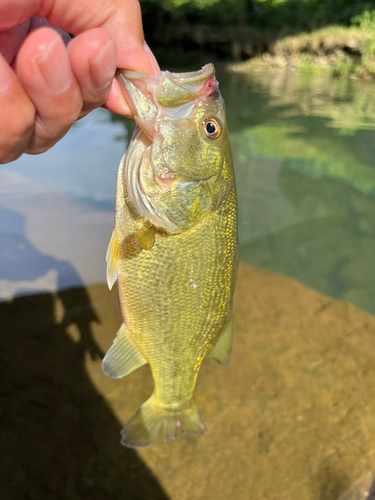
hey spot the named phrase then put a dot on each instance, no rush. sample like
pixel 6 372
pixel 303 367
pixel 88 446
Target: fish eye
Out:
pixel 212 128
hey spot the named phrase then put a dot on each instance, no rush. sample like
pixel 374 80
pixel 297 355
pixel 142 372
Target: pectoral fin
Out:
pixel 222 349
pixel 145 237
pixel 123 356
pixel 112 258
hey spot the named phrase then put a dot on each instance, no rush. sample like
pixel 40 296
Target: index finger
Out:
pixel 120 18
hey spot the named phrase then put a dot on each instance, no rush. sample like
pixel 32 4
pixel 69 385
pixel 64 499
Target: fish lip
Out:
pixel 166 173
pixel 146 94
pixel 190 77
pixel 204 73
pixel 168 177
pixel 204 76
pixel 165 178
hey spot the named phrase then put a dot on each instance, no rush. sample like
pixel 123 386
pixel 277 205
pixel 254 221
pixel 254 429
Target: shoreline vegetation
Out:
pixel 336 50
pixel 331 36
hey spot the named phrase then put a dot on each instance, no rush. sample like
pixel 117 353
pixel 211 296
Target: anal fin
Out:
pixel 123 356
pixel 222 349
pixel 112 258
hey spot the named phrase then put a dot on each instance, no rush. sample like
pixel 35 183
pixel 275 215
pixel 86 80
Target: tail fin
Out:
pixel 142 429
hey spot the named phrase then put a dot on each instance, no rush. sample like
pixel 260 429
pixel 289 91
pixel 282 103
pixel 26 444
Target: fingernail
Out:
pixel 103 67
pixel 54 66
pixel 5 75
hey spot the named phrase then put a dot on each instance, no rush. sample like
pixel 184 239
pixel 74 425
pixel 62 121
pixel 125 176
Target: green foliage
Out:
pixel 367 63
pixel 370 47
pixel 333 35
pixel 276 14
pixel 365 20
pixel 172 5
pixel 345 68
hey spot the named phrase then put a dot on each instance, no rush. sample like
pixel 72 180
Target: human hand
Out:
pixel 45 85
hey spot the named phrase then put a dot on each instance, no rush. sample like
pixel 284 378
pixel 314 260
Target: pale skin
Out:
pixel 47 82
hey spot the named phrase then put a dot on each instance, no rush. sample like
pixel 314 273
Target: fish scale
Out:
pixel 147 298
pixel 175 295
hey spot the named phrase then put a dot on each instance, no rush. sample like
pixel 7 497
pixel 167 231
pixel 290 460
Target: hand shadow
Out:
pixel 23 269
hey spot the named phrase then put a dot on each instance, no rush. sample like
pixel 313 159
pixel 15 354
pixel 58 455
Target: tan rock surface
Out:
pixel 291 417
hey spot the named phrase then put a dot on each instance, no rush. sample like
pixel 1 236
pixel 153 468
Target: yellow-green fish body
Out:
pixel 174 246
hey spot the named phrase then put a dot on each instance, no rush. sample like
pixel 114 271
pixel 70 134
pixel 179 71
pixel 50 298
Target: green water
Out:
pixel 304 151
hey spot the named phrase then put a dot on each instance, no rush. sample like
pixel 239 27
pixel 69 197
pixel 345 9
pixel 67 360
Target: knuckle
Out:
pixel 37 150
pixel 22 123
pixel 44 138
pixel 92 102
pixel 7 156
pixel 15 133
pixel 69 111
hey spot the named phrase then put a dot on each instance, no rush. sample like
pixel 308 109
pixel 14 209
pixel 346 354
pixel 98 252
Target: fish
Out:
pixel 174 247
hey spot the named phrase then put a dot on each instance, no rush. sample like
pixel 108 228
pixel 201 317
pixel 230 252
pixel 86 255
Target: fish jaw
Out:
pixel 171 181
pixel 151 96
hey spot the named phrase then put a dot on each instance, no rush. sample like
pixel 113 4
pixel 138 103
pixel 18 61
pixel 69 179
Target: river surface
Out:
pixel 304 151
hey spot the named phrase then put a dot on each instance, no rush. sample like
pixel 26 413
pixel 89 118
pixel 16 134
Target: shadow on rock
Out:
pixel 363 489
pixel 59 439
pixel 332 481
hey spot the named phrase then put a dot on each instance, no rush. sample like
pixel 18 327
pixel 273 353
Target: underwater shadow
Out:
pixel 59 438
pixel 332 482
pixel 23 268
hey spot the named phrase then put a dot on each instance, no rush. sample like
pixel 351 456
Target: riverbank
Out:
pixel 337 50
pixel 335 36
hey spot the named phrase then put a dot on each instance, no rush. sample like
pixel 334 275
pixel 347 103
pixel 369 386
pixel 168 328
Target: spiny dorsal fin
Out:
pixel 145 237
pixel 223 347
pixel 111 258
pixel 123 357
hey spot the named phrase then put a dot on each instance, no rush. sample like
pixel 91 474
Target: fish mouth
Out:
pixel 191 77
pixel 162 174
pixel 150 96
pixel 168 96
pixel 155 100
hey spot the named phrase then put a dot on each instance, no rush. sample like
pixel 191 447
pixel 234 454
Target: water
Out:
pixel 56 209
pixel 291 417
pixel 304 150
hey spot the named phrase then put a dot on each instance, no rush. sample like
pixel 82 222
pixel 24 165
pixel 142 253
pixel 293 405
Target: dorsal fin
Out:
pixel 111 258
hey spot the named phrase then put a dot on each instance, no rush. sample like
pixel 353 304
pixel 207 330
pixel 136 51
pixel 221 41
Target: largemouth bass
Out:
pixel 174 247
